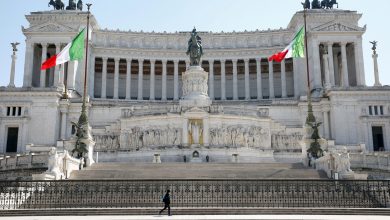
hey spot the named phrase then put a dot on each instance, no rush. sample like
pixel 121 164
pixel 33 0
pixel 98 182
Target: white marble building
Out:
pixel 135 85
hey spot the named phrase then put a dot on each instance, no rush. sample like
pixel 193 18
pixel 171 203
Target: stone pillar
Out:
pixel 345 81
pixel 206 132
pixel 316 65
pixel 247 85
pixel 62 76
pixel 152 79
pixel 28 64
pixel 331 64
pixel 187 64
pixel 104 79
pixel 271 80
pixel 64 112
pixel 43 72
pixel 116 79
pixel 326 123
pixel 176 80
pixel 164 81
pixel 360 60
pixel 296 76
pixel 235 80
pixel 12 73
pixel 140 78
pixel 91 71
pixel 283 78
pixel 211 79
pixel 128 79
pixel 259 80
pixel 223 80
pixel 57 68
pixel 336 70
pixel 376 71
pixel 185 132
pixel 328 85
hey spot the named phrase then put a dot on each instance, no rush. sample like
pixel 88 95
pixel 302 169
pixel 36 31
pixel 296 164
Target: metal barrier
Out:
pixel 194 193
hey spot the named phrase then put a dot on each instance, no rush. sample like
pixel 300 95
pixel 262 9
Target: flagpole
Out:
pixel 310 116
pixel 83 117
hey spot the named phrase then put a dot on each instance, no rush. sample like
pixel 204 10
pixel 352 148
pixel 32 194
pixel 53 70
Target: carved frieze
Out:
pixel 283 141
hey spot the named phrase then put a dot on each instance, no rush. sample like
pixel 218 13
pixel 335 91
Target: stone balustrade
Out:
pixel 23 161
pixel 377 160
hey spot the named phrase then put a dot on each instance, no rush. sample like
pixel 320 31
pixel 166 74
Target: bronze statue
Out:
pixel 328 4
pixel 315 147
pixel 14 45
pixel 306 4
pixel 72 5
pixel 374 43
pixel 57 4
pixel 80 5
pixel 195 49
pixel 316 4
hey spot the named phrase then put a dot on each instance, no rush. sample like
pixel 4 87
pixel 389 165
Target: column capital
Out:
pixel 141 60
pixel 246 60
pixel 152 61
pixel 128 60
pixel 329 43
pixel 104 59
pixel 234 60
pixel 211 61
pixel 223 61
pixel 44 44
pixel 164 61
pixel 117 59
pixel 176 62
pixel 58 45
pixel 343 44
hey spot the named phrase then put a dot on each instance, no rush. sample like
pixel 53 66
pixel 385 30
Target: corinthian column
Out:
pixel 57 68
pixel 128 79
pixel 116 79
pixel 140 78
pixel 104 79
pixel 223 80
pixel 211 79
pixel 164 81
pixel 247 87
pixel 344 68
pixel 271 80
pixel 283 78
pixel 176 80
pixel 235 80
pixel 43 72
pixel 259 80
pixel 152 79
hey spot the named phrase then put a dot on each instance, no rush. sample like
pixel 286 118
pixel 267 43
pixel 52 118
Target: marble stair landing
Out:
pixel 180 171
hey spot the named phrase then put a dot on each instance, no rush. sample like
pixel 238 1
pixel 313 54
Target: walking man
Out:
pixel 167 201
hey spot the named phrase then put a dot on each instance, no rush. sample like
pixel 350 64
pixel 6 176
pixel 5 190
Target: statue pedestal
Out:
pixel 195 88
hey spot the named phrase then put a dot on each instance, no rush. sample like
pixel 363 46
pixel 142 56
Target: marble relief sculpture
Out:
pixel 239 136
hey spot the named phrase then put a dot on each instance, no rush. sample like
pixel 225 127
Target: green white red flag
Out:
pixel 295 49
pixel 73 51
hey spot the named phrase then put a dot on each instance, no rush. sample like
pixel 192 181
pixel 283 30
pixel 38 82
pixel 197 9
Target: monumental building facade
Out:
pixel 135 85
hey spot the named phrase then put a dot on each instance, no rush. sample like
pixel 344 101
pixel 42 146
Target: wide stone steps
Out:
pixel 110 171
pixel 198 211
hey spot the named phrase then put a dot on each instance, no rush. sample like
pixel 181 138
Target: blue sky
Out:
pixel 206 15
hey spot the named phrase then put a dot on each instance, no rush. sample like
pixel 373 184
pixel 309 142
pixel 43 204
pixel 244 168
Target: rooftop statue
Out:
pixel 72 5
pixel 316 4
pixel 328 4
pixel 14 46
pixel 306 4
pixel 80 5
pixel 195 49
pixel 57 4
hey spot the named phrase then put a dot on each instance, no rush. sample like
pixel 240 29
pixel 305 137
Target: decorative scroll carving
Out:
pixel 284 142
pixel 138 138
pixel 239 136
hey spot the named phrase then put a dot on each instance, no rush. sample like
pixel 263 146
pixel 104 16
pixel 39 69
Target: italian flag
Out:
pixel 73 51
pixel 295 49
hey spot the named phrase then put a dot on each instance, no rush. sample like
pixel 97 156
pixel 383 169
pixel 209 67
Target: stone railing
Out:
pixel 377 160
pixel 23 161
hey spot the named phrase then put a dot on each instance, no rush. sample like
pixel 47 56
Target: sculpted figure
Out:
pixel 72 5
pixel 57 4
pixel 80 5
pixel 195 49
pixel 306 4
pixel 316 4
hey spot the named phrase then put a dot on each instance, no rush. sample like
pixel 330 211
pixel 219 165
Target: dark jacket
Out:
pixel 167 199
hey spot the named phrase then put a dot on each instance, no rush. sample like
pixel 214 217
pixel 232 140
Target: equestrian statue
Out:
pixel 57 4
pixel 195 49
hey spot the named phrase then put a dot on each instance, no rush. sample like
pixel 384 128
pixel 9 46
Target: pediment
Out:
pixel 337 26
pixel 49 27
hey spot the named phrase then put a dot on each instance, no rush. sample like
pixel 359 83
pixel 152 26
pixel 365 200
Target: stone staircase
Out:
pixel 126 171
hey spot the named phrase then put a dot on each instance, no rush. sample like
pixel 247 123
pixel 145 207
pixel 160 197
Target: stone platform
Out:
pixel 109 171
